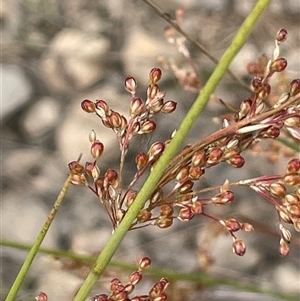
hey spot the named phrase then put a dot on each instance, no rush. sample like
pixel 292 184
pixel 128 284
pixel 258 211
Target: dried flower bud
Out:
pixel 293 165
pixel 147 127
pixel 111 175
pixel 265 91
pixel 185 214
pixel 102 108
pixel 155 75
pixel 294 210
pixel 152 91
pixel 236 161
pixel 164 222
pixel 277 190
pixel 144 215
pixel 156 150
pixel 292 179
pixel 295 87
pixel 290 199
pixel 78 179
pixel 156 196
pixel 186 187
pixel 285 216
pixel 115 120
pixel 182 174
pixel 215 155
pixel 296 224
pixel 284 248
pixel 232 224
pixel 144 263
pixel 41 297
pixel 136 106
pixel 166 210
pixel 76 167
pixel 114 284
pixel 195 172
pixel 97 149
pixel 141 160
pixel 223 198
pixel 239 247
pixel 281 35
pixel 197 207
pixel 88 106
pixel 130 85
pixel 278 65
pixel 198 159
pixel 135 277
pixel 130 197
pixel 169 107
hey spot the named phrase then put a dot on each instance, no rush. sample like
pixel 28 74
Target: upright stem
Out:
pixel 35 248
pixel 150 184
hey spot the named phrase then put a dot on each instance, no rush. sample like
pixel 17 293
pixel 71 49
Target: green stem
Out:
pixel 113 243
pixel 35 248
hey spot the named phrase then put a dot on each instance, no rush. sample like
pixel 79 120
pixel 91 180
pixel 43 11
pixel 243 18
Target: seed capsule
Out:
pixel 278 65
pixel 239 247
pixel 281 35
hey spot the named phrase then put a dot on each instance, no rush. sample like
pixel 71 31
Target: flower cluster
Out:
pixel 123 292
pixel 174 196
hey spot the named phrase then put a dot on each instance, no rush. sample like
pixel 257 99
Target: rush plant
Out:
pixel 168 194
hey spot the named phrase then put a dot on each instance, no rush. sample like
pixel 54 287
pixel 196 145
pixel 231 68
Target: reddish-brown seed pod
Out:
pixel 290 199
pixel 156 290
pixel 186 187
pixel 141 160
pixel 166 210
pixel 89 166
pixel 292 179
pixel 135 277
pixel 144 215
pixel 78 179
pixel 156 149
pixel 97 149
pixel 76 167
pixel 195 172
pixel 115 120
pixel 155 75
pixel 88 106
pixel 130 85
pixel 164 222
pixel 156 196
pixel 144 263
pixel 185 214
pixel 294 210
pixel 169 107
pixel 284 248
pixel 236 161
pixel 293 165
pixel 111 175
pixel 197 207
pixel 215 155
pixel 102 108
pixel 278 65
pixel 232 225
pixel 164 282
pixel 223 198
pixel 130 197
pixel 198 159
pixel 121 296
pixel 182 174
pixel 136 106
pixel 148 127
pixel 277 190
pixel 281 35
pixel 295 87
pixel 239 247
pixel 41 297
pixel 265 91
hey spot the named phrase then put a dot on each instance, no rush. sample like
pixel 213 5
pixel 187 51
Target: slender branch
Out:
pixel 150 184
pixel 193 41
pixel 35 248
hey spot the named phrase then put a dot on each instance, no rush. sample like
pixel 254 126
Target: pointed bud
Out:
pixel 141 160
pixel 135 278
pixel 286 234
pixel 144 263
pixel 278 65
pixel 97 149
pixel 198 159
pixel 265 91
pixel 130 197
pixel 295 87
pixel 290 199
pixel 281 35
pixel 284 248
pixel 215 155
pixel 292 179
pixel 195 172
pixel 136 106
pixel 277 190
pixel 102 108
pixel 239 247
pixel 156 150
pixel 88 106
pixel 130 85
pixel 92 136
pixel 236 161
pixel 155 75
pixel 152 91
pixel 169 107
pixel 293 165
pixel 148 127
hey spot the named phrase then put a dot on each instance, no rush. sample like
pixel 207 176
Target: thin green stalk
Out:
pixel 197 277
pixel 35 248
pixel 113 243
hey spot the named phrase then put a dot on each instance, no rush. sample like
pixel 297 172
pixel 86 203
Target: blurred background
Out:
pixel 56 53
